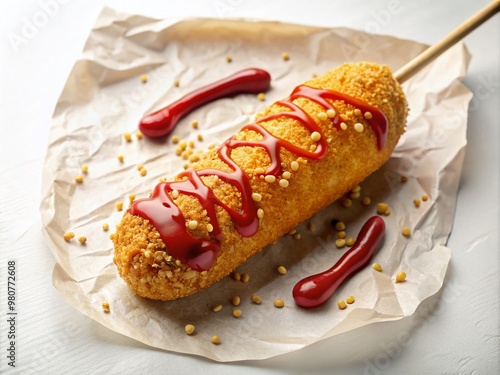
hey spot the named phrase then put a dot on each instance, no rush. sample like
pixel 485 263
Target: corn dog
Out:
pixel 298 156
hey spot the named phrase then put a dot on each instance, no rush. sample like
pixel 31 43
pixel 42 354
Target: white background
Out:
pixel 455 332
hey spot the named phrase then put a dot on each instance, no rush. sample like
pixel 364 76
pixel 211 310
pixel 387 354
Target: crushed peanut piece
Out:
pixel 346 202
pixel 401 277
pixel 366 201
pixel 256 197
pixel 322 116
pixel 406 232
pixel 377 267
pixel 270 178
pixel 279 303
pixel 340 243
pixel 105 306
pixel 354 195
pixel 189 329
pixel 356 189
pixel 341 304
pixel 359 127
pixel 316 136
pixel 68 236
pixel 284 183
pixel 349 241
pixel 382 208
pixel 192 224
pixel 256 299
pixel 340 226
pixel 215 339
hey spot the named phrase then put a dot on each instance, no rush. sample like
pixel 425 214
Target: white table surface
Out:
pixel 455 332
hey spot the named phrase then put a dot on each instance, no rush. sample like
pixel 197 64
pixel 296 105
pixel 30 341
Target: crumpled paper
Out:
pixel 104 98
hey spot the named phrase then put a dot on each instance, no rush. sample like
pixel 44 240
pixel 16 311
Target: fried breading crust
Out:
pixel 142 258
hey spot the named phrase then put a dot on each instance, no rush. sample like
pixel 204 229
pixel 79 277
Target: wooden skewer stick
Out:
pixel 437 49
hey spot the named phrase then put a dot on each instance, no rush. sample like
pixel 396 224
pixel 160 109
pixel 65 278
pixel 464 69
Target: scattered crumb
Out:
pixel 105 307
pixel 68 236
pixel 401 277
pixel 279 303
pixel 189 329
pixel 377 267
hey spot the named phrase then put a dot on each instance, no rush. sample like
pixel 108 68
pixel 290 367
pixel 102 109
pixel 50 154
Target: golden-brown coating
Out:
pixel 142 258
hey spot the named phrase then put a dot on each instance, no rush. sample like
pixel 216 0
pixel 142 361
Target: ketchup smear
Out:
pixel 162 212
pixel 314 291
pixel 163 121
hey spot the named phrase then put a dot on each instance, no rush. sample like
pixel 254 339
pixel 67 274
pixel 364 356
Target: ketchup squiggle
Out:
pixel 162 212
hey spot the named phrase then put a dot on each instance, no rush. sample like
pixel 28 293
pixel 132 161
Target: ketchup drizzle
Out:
pixel 162 212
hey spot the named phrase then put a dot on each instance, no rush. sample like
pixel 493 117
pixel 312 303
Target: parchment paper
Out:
pixel 104 98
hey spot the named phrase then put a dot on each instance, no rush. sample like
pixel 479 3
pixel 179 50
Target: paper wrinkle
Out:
pixel 104 98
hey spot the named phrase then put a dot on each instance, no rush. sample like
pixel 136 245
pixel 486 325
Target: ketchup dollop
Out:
pixel 163 121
